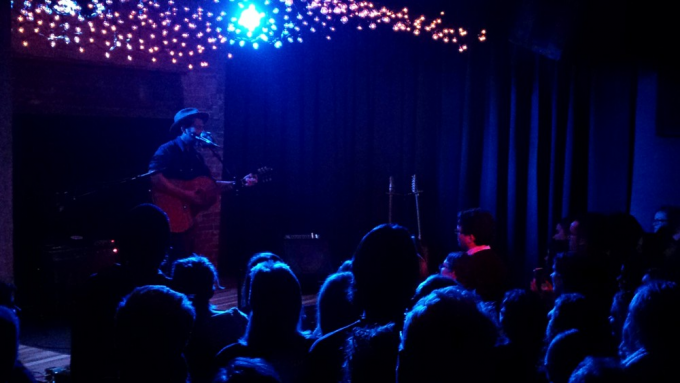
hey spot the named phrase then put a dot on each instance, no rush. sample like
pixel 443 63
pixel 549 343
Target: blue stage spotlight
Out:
pixel 250 18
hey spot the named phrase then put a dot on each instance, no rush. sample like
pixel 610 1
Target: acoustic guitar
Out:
pixel 182 214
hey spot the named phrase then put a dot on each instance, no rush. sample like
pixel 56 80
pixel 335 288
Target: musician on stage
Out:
pixel 175 166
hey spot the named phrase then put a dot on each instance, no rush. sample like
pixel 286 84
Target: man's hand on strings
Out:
pixel 250 180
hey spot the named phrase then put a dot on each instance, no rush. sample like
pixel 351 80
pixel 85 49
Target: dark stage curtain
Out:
pixel 526 137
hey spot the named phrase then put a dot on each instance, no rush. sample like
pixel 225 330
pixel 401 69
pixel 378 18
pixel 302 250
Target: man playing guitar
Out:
pixel 181 182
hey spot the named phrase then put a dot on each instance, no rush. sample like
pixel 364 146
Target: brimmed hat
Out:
pixel 185 114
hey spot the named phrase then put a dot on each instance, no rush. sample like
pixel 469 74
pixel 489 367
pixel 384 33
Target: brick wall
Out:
pixel 204 90
pixel 6 232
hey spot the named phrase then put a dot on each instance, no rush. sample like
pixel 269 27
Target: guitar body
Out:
pixel 182 214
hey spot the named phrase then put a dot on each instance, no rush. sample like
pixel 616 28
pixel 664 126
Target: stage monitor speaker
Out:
pixel 309 258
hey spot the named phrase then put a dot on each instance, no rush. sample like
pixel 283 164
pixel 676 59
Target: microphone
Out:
pixel 206 138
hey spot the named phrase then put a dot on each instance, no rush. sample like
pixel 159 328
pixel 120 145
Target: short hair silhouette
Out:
pixel 523 316
pixel 155 313
pixel 194 276
pixel 477 222
pixel 652 321
pixel 446 336
pixel 672 220
pixel 153 325
pixel 598 370
pixel 247 370
pixel 257 258
pixel 564 353
pixel 582 273
pixel 431 283
pixel 571 311
pixel 455 265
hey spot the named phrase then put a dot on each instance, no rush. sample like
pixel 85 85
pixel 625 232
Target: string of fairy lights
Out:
pixel 186 32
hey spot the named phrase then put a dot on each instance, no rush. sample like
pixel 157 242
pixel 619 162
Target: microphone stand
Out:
pixel 66 199
pixel 210 145
pixel 217 155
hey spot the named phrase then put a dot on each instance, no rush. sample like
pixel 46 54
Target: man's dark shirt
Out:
pixel 487 275
pixel 177 160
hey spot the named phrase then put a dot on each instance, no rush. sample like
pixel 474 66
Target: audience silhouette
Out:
pixel 431 283
pixel 371 354
pixel 564 354
pixel 143 240
pixel 11 369
pixel 196 277
pixel 274 327
pixel 247 370
pixel 335 308
pixel 651 334
pixel 610 317
pixel 598 370
pixel 386 269
pixel 576 311
pixel 256 259
pixel 455 266
pixel 447 337
pixel 523 321
pixel 152 328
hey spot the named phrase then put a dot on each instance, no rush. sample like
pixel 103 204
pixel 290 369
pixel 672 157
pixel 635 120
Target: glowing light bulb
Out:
pixel 250 18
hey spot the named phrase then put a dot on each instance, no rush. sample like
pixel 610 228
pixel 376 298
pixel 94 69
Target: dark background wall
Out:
pixel 656 179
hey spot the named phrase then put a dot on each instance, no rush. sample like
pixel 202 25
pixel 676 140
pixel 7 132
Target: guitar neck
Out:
pixel 416 194
pixel 418 217
pixel 389 200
